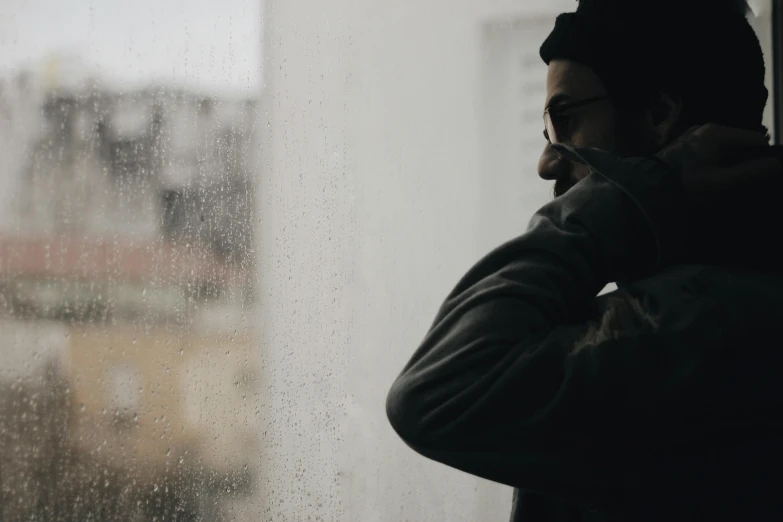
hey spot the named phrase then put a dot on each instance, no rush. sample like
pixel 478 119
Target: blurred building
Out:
pixel 129 383
pixel 138 165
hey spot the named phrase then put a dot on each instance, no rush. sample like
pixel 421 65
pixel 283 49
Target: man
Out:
pixel 660 401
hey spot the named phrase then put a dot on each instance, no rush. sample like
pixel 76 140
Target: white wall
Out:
pixel 381 187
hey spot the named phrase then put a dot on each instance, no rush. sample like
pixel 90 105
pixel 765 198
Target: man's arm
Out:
pixel 495 390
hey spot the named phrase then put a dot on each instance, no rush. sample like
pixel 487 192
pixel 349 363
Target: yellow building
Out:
pixel 134 366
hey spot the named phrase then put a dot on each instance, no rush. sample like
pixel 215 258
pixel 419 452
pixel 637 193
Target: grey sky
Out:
pixel 210 45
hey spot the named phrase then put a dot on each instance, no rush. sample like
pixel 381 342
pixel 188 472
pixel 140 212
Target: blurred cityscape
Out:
pixel 128 386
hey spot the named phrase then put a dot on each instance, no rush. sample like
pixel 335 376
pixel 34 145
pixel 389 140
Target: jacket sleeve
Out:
pixel 496 389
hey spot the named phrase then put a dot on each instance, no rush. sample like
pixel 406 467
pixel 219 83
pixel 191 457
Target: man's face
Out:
pixel 592 124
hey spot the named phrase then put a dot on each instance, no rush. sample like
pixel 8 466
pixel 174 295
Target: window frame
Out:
pixel 777 64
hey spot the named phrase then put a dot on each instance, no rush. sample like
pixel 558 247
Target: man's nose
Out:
pixel 551 166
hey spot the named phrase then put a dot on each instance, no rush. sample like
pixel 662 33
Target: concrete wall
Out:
pixel 399 147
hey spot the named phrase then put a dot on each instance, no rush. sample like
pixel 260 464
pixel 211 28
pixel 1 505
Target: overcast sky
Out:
pixel 209 45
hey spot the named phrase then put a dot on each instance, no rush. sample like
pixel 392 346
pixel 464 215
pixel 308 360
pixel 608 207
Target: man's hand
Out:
pixel 714 160
pixel 724 201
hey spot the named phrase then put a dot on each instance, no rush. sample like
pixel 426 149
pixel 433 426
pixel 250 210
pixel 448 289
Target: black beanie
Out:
pixel 703 50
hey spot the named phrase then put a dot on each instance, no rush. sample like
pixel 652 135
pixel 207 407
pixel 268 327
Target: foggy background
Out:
pixel 210 46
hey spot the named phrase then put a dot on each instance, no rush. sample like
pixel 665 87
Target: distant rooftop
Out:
pixel 80 258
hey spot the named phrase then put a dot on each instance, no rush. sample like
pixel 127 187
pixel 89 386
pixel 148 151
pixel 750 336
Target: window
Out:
pixel 127 260
pixel 777 67
pixel 224 226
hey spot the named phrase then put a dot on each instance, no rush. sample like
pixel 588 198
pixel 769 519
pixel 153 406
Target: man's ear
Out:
pixel 664 118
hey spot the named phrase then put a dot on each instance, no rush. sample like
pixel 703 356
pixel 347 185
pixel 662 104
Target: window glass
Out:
pixel 225 227
pixel 129 376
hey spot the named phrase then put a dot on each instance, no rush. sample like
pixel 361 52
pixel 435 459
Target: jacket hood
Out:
pixel 741 228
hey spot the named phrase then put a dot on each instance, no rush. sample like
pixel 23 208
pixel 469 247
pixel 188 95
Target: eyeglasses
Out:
pixel 554 118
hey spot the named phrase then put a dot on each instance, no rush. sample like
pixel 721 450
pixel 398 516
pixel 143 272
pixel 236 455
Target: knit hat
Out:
pixel 703 50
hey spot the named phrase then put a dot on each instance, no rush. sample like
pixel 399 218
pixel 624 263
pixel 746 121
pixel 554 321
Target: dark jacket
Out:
pixel 659 401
